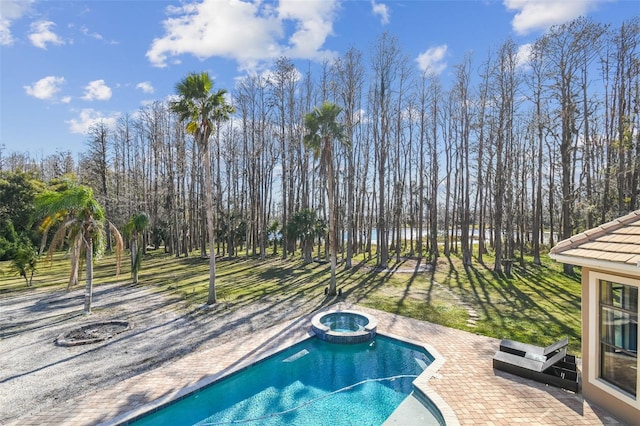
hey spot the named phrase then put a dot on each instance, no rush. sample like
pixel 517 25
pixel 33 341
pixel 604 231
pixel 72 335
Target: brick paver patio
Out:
pixel 466 382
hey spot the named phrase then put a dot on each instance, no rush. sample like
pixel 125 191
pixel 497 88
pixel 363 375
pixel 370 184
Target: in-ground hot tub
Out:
pixel 344 326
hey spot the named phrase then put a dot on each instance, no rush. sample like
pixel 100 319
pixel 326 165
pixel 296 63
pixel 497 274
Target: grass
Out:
pixel 538 304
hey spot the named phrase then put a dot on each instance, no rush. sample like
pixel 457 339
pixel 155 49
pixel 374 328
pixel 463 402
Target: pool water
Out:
pixel 344 322
pixel 311 383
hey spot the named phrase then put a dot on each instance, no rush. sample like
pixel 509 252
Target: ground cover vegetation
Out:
pixel 477 176
pixel 537 304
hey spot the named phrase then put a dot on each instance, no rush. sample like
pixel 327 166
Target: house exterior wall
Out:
pixel 597 391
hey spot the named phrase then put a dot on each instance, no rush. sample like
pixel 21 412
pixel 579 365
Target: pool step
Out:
pixel 412 412
pixel 296 356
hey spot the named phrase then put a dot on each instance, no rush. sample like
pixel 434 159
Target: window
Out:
pixel 619 335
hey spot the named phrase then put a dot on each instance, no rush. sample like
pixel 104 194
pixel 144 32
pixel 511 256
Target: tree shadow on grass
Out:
pixel 362 287
pixel 409 284
pixel 515 304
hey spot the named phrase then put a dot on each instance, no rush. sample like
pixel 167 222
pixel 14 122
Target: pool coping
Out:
pixel 346 337
pixel 420 384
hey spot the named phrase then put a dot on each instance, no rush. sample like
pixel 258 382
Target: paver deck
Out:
pixel 467 382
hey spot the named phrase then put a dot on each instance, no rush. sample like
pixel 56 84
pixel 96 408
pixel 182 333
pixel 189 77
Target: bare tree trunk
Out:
pixel 88 291
pixel 462 87
pixel 332 218
pixel 448 148
pixel 421 163
pixel 208 201
pixel 134 258
pixel 385 61
pixel 567 45
pixel 350 74
pixel 479 204
pixel 435 170
pixel 75 260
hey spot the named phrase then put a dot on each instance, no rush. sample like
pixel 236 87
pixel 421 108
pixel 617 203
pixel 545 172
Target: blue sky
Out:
pixel 66 64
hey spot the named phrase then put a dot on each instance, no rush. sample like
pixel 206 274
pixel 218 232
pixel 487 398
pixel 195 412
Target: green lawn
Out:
pixel 537 305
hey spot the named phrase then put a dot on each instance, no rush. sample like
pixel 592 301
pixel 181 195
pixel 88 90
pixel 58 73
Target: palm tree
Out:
pixel 82 221
pixel 302 226
pixel 272 234
pixel 133 230
pixel 319 232
pixel 199 109
pixel 323 129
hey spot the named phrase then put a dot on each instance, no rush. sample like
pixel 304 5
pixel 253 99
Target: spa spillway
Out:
pixel 344 326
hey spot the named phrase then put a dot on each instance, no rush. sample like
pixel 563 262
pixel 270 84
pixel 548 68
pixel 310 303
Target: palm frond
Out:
pixel 57 241
pixel 76 250
pixel 75 198
pixel 46 223
pixel 198 108
pixel 98 239
pixel 322 129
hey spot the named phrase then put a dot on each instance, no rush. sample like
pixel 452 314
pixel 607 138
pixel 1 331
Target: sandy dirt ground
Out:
pixel 36 373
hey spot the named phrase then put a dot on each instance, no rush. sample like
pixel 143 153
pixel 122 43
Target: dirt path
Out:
pixel 36 373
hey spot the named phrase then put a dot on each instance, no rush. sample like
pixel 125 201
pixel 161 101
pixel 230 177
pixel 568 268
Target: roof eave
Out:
pixel 624 268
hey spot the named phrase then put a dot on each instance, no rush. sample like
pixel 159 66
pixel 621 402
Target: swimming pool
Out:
pixel 312 382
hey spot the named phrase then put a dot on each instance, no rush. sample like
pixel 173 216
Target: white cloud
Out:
pixel 248 32
pixel 145 86
pixel 89 117
pixel 432 60
pixel 523 55
pixel 45 88
pixel 84 30
pixel 6 38
pixel 541 14
pixel 381 10
pixel 41 34
pixel 11 10
pixel 97 90
pixel 88 33
pixel 269 75
pixel 360 116
pixel 314 23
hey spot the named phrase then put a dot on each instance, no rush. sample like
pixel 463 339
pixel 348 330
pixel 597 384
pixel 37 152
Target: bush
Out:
pixel 25 260
pixel 8 240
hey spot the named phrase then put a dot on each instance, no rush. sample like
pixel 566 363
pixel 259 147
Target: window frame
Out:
pixel 594 329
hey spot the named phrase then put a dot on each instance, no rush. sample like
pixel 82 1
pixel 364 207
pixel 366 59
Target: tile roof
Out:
pixel 616 241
